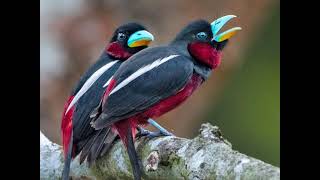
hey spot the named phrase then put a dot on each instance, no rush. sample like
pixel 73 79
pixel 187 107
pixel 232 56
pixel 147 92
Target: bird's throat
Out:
pixel 117 51
pixel 205 53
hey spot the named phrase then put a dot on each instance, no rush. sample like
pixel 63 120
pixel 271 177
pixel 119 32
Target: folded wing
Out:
pixel 141 82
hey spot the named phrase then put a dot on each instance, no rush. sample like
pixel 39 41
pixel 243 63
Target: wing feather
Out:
pixel 150 86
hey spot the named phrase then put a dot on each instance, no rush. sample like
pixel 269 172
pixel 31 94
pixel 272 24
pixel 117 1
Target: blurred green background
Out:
pixel 248 111
pixel 242 96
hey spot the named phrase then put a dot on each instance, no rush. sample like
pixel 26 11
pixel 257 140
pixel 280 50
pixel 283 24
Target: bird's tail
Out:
pixel 67 160
pixel 133 156
pixel 97 145
pixel 96 111
pixel 127 136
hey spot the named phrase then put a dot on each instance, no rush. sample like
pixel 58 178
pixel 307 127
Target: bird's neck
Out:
pixel 200 68
pixel 181 47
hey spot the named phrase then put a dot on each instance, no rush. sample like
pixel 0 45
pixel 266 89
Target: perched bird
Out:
pixel 158 79
pixel 77 134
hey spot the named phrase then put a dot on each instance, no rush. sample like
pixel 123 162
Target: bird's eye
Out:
pixel 202 36
pixel 121 36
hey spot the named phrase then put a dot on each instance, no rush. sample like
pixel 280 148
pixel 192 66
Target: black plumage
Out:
pixel 155 81
pixel 90 142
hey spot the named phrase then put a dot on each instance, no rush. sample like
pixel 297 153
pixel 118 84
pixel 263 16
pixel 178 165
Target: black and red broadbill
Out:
pixel 158 79
pixel 77 133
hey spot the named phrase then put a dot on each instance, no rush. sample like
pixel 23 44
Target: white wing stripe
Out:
pixel 141 71
pixel 108 82
pixel 89 83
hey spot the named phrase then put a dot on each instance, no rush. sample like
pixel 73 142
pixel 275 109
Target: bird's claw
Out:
pixel 142 132
pixel 158 134
pixel 149 134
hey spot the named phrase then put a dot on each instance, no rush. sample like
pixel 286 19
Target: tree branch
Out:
pixel 207 156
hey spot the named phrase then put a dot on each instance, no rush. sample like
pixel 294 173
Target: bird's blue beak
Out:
pixel 140 38
pixel 218 24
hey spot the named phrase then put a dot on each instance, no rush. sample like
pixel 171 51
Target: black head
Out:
pixel 202 41
pixel 126 29
pixel 129 39
pixel 199 30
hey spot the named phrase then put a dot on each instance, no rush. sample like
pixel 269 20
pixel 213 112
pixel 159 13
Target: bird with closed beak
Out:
pixel 77 133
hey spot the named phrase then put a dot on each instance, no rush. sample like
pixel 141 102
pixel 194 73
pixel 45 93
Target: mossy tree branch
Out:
pixel 207 156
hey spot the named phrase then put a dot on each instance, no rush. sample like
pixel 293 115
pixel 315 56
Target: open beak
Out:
pixel 218 24
pixel 140 38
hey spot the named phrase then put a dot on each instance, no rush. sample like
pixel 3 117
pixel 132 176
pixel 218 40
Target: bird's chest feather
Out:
pixel 172 102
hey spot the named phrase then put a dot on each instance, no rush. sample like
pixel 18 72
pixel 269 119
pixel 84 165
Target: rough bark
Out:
pixel 207 156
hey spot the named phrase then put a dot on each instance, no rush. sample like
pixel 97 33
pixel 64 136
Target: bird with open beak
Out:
pixel 158 79
pixel 77 133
